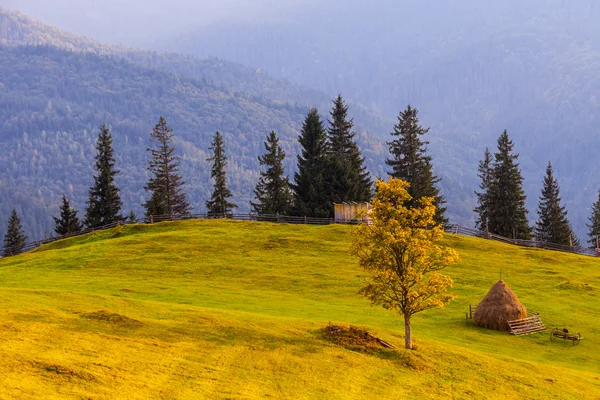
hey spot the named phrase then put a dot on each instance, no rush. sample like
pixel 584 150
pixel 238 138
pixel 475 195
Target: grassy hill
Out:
pixel 225 309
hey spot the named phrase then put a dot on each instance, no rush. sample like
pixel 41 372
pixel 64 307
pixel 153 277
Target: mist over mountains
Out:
pixel 57 88
pixel 473 69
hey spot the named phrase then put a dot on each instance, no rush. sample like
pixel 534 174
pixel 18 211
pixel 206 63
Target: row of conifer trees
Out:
pixel 501 202
pixel 330 169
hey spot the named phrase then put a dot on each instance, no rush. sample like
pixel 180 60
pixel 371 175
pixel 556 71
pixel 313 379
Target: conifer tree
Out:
pixel 132 216
pixel 485 174
pixel 411 163
pixel 594 225
pixel 347 177
pixel 507 212
pixel 552 225
pixel 311 197
pixel 15 239
pixel 272 192
pixel 165 185
pixel 219 205
pixel 104 203
pixel 68 222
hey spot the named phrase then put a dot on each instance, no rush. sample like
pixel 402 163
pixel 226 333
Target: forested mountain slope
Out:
pixel 17 29
pixel 57 88
pixel 472 69
pixel 52 103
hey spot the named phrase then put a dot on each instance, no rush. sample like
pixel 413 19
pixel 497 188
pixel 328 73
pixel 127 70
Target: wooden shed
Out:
pixel 346 212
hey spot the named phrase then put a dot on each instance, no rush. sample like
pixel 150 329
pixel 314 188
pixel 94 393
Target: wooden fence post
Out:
pixel 570 240
pixel 470 311
pixel 456 230
pixel 305 219
pixel 151 219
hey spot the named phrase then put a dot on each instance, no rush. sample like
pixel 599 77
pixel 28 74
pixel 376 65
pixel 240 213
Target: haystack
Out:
pixel 498 307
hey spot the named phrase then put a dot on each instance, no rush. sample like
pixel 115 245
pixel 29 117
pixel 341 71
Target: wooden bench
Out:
pixel 526 326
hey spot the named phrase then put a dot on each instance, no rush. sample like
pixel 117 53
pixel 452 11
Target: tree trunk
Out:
pixel 407 333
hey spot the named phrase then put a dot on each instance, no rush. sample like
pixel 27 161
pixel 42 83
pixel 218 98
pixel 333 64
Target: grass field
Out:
pixel 224 309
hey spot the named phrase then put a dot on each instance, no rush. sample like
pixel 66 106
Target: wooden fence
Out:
pixel 455 229
pixel 460 230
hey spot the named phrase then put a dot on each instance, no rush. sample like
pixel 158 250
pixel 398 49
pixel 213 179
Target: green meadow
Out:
pixel 234 310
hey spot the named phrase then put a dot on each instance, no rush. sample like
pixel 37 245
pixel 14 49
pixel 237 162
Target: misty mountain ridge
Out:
pixel 471 69
pixel 55 95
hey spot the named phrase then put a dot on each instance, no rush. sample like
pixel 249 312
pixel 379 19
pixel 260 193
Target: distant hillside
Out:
pixel 471 68
pixel 52 102
pixel 196 113
pixel 17 29
pixel 56 89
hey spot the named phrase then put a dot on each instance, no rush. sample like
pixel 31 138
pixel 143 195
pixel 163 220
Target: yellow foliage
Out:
pixel 398 248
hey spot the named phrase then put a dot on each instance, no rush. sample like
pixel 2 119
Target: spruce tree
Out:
pixel 485 174
pixel 104 203
pixel 347 177
pixel 411 163
pixel 132 216
pixel 219 205
pixel 272 192
pixel 68 222
pixel 594 225
pixel 311 197
pixel 15 239
pixel 552 225
pixel 165 184
pixel 506 201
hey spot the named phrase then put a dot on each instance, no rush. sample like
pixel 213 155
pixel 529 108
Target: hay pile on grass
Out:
pixel 498 307
pixel 354 338
pixel 112 318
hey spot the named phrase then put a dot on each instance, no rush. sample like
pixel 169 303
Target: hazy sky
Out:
pixel 141 21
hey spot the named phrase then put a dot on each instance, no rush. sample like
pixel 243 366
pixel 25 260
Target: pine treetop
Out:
pixel 340 134
pixel 165 184
pixel 409 151
pixel 310 194
pixel 312 139
pixel 347 176
pixel 411 163
pixel 553 225
pixel 15 239
pixel 485 174
pixel 219 204
pixel 507 211
pixel 104 203
pixel 273 189
pixel 67 222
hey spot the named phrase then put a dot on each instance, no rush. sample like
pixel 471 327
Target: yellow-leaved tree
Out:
pixel 400 251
